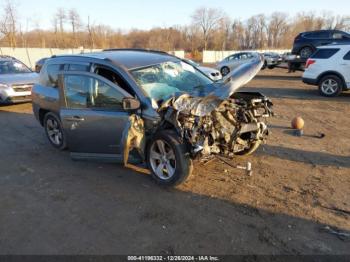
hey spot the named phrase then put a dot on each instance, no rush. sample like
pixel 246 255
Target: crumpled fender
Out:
pixel 133 137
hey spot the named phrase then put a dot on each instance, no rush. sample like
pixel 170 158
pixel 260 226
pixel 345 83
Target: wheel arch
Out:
pixel 330 73
pixel 42 113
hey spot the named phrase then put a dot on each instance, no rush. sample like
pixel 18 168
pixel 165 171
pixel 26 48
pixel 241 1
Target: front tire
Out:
pixel 54 131
pixel 168 159
pixel 225 71
pixel 330 86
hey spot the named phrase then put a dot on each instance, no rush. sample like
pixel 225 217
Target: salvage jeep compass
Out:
pixel 148 107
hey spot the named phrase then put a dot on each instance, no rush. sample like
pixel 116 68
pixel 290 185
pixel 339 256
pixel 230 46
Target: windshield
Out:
pixel 162 81
pixel 13 67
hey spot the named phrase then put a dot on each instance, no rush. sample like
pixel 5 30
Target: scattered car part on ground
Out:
pixel 214 74
pixel 306 43
pixel 329 68
pixel 233 61
pixel 149 107
pixel 16 81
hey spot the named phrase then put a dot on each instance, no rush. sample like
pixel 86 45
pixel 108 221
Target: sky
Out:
pixel 126 14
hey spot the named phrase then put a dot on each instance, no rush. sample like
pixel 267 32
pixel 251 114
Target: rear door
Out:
pixel 345 68
pixel 92 113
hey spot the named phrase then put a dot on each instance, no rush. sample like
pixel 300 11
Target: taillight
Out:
pixel 310 62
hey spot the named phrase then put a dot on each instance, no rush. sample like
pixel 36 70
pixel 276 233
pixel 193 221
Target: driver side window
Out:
pixel 88 92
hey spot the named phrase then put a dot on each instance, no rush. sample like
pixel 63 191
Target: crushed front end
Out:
pixel 214 126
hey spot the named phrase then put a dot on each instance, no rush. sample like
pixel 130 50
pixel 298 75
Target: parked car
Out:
pixel 271 60
pixel 233 61
pixel 211 72
pixel 306 43
pixel 287 56
pixel 149 107
pixel 39 64
pixel 16 81
pixel 329 68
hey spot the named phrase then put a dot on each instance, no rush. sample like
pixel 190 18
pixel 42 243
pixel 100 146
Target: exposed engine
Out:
pixel 214 126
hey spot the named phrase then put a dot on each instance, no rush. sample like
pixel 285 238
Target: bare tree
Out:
pixel 60 18
pixel 91 34
pixel 8 25
pixel 277 28
pixel 75 22
pixel 207 19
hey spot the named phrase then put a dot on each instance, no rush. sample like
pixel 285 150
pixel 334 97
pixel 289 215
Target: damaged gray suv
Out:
pixel 148 108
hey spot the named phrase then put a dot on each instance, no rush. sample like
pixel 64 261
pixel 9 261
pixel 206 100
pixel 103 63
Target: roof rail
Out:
pixel 136 49
pixel 8 56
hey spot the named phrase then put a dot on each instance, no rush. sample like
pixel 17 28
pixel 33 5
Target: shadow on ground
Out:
pixel 297 155
pixel 278 78
pixel 53 205
pixel 298 93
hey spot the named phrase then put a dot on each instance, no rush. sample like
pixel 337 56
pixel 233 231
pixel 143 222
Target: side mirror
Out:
pixel 130 104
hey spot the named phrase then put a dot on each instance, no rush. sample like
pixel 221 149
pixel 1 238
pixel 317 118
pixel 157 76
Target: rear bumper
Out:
pixel 310 81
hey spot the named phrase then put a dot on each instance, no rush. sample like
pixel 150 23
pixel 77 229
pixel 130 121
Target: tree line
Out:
pixel 210 29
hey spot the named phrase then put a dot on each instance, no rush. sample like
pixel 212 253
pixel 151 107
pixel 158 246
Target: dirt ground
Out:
pixel 50 204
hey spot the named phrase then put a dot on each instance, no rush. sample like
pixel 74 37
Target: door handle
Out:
pixel 75 119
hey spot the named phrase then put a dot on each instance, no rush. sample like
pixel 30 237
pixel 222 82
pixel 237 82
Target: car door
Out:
pixel 324 38
pixel 92 113
pixel 235 61
pixel 345 68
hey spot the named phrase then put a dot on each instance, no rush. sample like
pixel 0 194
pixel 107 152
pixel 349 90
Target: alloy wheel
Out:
pixel 162 160
pixel 54 131
pixel 329 86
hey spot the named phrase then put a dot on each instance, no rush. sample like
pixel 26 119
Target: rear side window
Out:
pixel 88 92
pixel 347 56
pixel 79 67
pixel 325 53
pixel 50 77
pixel 317 35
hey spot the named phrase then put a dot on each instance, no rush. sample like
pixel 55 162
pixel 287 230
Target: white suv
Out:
pixel 329 68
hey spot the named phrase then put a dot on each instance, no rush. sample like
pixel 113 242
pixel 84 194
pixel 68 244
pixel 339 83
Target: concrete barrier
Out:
pixel 216 56
pixel 30 55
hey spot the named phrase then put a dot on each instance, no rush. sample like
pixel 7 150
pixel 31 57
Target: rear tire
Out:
pixel 330 86
pixel 54 131
pixel 168 159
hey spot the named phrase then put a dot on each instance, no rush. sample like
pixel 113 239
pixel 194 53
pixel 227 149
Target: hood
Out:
pixel 231 83
pixel 18 79
pixel 207 70
pixel 205 99
pixel 238 77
